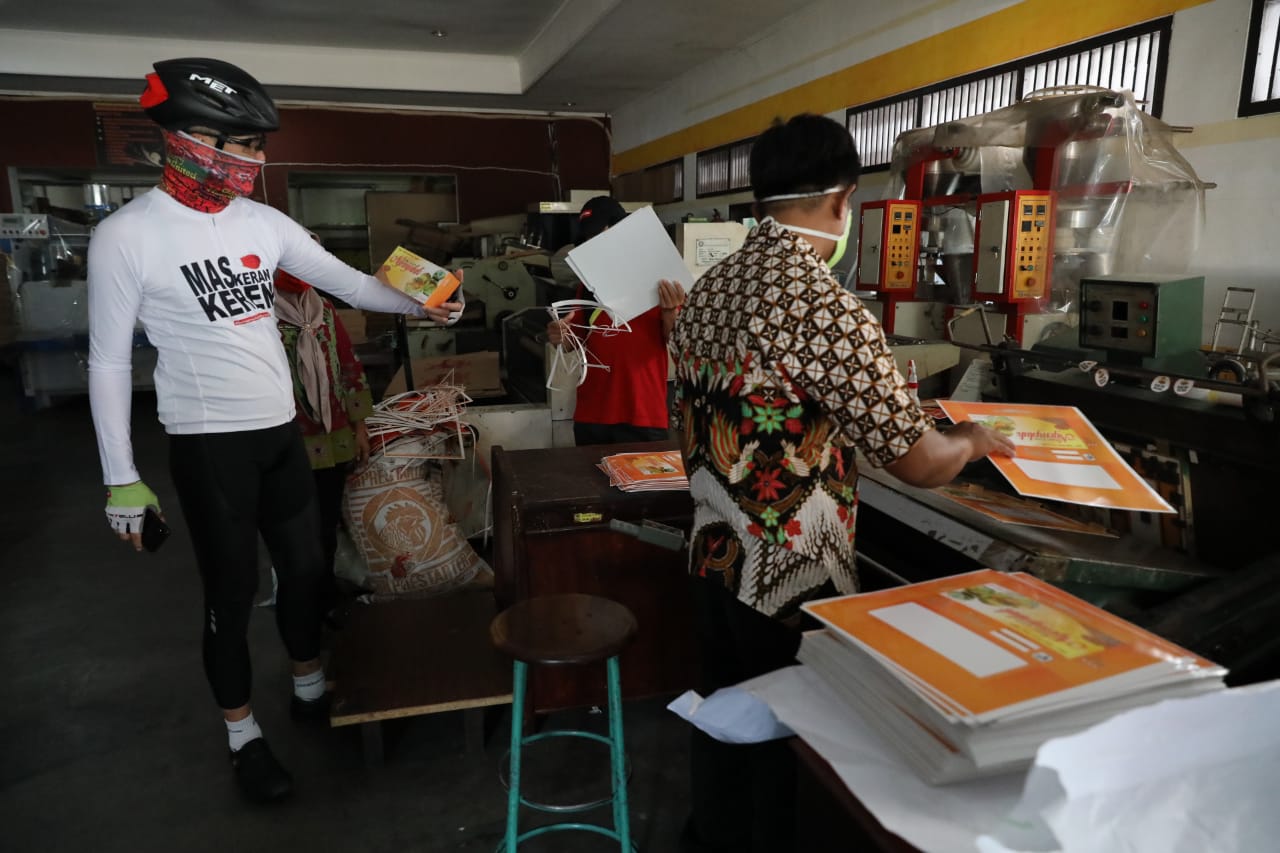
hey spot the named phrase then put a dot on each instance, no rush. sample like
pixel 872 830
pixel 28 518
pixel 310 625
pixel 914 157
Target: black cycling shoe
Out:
pixel 309 709
pixel 259 775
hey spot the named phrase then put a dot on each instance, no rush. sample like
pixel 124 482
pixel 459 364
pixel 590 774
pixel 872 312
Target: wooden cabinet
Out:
pixel 551 511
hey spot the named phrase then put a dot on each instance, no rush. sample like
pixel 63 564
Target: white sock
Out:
pixel 309 687
pixel 242 731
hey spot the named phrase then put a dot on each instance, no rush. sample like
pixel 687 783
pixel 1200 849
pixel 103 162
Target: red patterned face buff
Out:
pixel 202 177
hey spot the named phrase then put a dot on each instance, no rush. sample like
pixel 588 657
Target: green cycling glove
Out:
pixel 126 505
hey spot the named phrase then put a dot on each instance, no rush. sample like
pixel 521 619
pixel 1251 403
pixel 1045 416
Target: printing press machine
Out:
pixel 1209 577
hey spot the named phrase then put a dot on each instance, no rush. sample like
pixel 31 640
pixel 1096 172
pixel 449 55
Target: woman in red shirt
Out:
pixel 627 402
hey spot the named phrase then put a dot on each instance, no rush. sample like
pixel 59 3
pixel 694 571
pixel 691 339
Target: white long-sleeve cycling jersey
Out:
pixel 201 284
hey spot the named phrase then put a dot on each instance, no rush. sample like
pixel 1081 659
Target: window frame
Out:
pixel 1248 106
pixel 1162 27
pixel 729 148
pixel 677 188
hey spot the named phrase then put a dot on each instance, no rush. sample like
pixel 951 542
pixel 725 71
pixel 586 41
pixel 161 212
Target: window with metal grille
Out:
pixel 657 184
pixel 725 169
pixel 874 128
pixel 1133 59
pixel 1260 92
pixel 1129 63
pixel 968 99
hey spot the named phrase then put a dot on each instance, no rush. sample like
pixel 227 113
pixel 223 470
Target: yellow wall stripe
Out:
pixel 1231 131
pixel 1029 27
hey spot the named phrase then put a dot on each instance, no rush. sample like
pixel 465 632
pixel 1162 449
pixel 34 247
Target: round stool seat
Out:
pixel 563 629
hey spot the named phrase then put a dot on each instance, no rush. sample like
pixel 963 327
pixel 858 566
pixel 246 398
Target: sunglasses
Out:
pixel 254 142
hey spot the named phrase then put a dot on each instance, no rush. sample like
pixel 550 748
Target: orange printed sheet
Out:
pixel 1014 510
pixel 641 471
pixel 991 641
pixel 1060 456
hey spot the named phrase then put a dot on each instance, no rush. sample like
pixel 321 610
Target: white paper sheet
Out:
pixel 936 819
pixel 1194 775
pixel 623 265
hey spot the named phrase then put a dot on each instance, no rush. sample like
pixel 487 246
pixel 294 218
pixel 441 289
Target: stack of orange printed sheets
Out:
pixel 646 472
pixel 1010 509
pixel 968 675
pixel 1060 456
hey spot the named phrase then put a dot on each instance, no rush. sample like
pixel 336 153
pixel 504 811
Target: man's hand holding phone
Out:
pixel 154 530
pixel 128 508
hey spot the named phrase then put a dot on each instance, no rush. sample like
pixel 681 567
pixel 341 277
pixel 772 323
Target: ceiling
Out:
pixel 543 55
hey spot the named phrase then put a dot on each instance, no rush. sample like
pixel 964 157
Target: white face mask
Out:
pixel 841 240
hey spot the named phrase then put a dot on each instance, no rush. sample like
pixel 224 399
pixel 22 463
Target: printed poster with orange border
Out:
pixel 1015 510
pixel 640 471
pixel 1060 456
pixel 990 641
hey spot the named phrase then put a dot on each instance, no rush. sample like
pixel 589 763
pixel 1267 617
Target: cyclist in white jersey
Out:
pixel 194 261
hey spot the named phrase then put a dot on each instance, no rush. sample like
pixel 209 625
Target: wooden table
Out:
pixel 418 656
pixel 551 511
pixel 831 819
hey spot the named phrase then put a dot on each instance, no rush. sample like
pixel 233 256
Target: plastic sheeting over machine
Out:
pixel 1008 211
pixel 1053 239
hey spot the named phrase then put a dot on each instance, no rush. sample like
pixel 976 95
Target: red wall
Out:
pixel 60 134
pixel 44 134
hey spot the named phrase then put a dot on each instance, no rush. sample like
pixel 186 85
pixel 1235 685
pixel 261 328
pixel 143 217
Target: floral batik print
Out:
pixel 781 376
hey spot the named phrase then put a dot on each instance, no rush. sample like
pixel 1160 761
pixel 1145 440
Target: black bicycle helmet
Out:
pixel 186 93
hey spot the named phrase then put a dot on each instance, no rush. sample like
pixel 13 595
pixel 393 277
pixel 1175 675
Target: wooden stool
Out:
pixel 561 630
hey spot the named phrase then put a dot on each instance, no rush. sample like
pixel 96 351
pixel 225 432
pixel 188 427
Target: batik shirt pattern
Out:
pixel 781 375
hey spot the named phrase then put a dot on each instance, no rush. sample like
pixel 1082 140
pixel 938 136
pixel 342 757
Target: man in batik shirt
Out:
pixel 781 375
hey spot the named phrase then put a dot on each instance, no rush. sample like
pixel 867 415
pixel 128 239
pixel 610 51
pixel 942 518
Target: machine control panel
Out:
pixel 1014 246
pixel 23 226
pixel 1121 318
pixel 1144 316
pixel 889 246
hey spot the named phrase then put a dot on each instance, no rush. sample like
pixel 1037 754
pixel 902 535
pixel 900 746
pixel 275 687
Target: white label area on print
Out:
pixel 972 652
pixel 1068 474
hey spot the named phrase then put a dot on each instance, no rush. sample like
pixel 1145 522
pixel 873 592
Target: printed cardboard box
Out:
pixel 417 277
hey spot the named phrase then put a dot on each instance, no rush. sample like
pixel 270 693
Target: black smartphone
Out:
pixel 154 530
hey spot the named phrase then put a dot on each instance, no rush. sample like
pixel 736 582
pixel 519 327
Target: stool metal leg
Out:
pixel 517 735
pixel 618 758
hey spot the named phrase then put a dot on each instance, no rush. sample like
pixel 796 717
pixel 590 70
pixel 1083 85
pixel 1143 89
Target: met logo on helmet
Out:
pixel 215 85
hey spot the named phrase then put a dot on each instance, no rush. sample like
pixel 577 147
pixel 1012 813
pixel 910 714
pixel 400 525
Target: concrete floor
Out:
pixel 110 740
